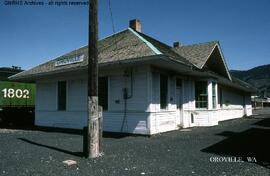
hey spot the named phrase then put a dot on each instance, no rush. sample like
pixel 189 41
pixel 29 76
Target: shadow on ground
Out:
pixel 253 142
pixel 79 154
pixel 264 123
pixel 30 127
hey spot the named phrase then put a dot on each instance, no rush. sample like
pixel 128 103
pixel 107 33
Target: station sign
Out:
pixel 69 60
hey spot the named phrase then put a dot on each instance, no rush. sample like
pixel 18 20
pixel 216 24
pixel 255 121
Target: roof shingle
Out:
pixel 120 46
pixel 128 45
pixel 197 54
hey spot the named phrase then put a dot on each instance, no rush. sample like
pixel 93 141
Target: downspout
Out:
pixel 126 97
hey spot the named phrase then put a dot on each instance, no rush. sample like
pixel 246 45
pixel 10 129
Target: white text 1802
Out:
pixel 15 93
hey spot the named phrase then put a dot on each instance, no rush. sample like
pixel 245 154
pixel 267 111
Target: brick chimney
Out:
pixel 135 24
pixel 176 44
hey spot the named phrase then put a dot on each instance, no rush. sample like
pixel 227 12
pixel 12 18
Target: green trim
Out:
pixel 150 45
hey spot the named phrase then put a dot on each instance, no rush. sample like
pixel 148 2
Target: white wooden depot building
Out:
pixel 145 86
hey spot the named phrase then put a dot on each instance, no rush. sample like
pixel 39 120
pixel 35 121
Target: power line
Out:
pixel 111 14
pixel 113 26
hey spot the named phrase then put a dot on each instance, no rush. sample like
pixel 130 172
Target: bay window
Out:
pixel 201 96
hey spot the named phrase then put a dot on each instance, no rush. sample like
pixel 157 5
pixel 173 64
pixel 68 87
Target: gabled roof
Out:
pixel 199 54
pixel 124 45
pixel 131 47
pixel 167 50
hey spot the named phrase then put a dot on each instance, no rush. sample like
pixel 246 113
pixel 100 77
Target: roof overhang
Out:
pixel 231 84
pixel 159 61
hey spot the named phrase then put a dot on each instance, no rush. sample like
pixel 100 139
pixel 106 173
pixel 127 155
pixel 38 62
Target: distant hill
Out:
pixel 5 72
pixel 259 77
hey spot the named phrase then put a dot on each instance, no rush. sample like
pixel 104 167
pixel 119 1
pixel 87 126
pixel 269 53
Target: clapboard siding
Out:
pixel 155 99
pixel 143 113
pixel 235 104
pixel 201 118
pixel 227 114
pixel 189 95
pixel 75 115
pixel 205 118
pixel 46 96
pixel 163 121
pixel 64 119
pixel 116 93
pixel 137 104
pixel 138 101
pixel 135 122
pixel 172 94
pixel 188 103
pixel 77 95
pixel 166 120
pixel 232 99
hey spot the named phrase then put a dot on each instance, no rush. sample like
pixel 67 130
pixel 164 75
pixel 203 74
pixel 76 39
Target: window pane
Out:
pixel 214 95
pixel 178 93
pixel 201 96
pixel 220 97
pixel 214 88
pixel 178 82
pixel 103 92
pixel 163 91
pixel 214 102
pixel 62 95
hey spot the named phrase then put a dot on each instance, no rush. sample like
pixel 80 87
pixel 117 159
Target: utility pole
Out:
pixel 93 136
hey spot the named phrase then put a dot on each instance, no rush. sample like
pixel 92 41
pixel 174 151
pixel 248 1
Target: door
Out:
pixel 179 101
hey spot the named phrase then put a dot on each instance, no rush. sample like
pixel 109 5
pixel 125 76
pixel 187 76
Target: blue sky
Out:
pixel 31 35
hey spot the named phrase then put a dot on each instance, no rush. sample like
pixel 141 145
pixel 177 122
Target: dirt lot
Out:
pixel 198 151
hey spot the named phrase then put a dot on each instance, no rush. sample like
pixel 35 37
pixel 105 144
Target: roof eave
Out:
pixel 151 60
pixel 125 62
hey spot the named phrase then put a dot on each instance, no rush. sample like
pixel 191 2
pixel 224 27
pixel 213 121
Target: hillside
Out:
pixel 259 77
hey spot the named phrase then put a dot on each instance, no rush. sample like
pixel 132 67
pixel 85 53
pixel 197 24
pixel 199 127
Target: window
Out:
pixel 192 118
pixel 163 91
pixel 178 82
pixel 201 97
pixel 214 95
pixel 62 95
pixel 220 98
pixel 103 92
pixel 178 93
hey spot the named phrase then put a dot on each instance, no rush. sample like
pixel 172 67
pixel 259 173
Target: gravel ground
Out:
pixel 186 152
